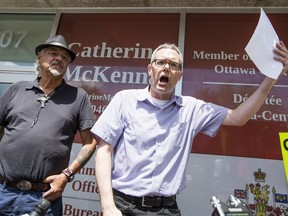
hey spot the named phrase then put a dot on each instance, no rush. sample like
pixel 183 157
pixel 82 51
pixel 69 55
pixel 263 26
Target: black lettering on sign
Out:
pixel 285 143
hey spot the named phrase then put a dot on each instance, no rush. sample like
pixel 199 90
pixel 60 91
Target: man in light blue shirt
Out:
pixel 148 134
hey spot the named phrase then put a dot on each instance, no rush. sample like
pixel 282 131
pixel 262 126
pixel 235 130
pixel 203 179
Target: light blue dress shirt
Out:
pixel 151 143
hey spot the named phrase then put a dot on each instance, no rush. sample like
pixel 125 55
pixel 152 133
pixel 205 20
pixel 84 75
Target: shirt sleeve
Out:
pixel 4 102
pixel 109 126
pixel 210 117
pixel 87 117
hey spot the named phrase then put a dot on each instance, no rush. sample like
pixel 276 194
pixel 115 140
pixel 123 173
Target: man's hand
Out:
pixel 111 212
pixel 57 184
pixel 282 55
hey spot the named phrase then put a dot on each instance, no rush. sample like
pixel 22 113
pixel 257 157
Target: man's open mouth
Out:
pixel 164 79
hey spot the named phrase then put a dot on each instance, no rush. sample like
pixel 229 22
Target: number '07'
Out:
pixel 8 37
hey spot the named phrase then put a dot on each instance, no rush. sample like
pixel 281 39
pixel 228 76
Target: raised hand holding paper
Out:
pixel 261 45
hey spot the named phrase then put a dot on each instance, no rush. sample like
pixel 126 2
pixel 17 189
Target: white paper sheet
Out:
pixel 261 45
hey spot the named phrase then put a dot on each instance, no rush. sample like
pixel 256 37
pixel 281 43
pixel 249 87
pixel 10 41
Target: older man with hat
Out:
pixel 40 119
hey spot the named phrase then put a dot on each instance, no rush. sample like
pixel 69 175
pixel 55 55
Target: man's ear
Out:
pixel 181 74
pixel 149 69
pixel 38 56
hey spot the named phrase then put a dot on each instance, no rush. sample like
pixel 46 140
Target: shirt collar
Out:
pixel 35 84
pixel 144 94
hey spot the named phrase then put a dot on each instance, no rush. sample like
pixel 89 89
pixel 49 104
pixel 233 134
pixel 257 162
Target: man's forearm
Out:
pixel 84 155
pixel 103 165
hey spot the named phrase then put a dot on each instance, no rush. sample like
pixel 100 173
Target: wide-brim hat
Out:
pixel 58 41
